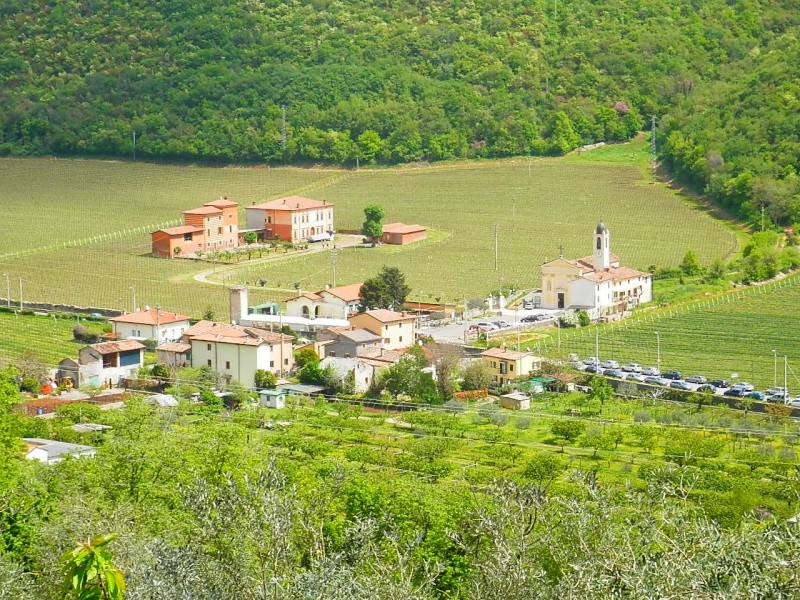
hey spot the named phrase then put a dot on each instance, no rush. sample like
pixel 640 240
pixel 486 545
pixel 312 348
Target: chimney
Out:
pixel 239 303
pixel 298 205
pixel 284 200
pixel 324 202
pixel 147 307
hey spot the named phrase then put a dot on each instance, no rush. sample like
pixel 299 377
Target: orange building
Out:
pixel 292 219
pixel 399 233
pixel 213 226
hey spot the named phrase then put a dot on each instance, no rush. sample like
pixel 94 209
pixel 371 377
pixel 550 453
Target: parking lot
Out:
pixel 462 332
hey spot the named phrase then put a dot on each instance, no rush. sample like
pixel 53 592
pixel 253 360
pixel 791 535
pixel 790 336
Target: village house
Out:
pixel 213 226
pixel 293 219
pixel 237 352
pixel 242 313
pixel 150 324
pixel 51 451
pixel 174 354
pixel 509 365
pixel 363 368
pixel 336 303
pixel 348 341
pixel 596 283
pixel 103 364
pixel 399 234
pixel 396 329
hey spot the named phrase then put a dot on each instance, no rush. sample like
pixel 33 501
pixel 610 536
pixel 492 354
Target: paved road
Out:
pixel 456 333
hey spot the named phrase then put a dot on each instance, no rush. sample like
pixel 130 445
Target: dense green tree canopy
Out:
pixel 403 81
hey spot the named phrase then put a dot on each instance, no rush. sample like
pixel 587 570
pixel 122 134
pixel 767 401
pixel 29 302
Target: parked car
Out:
pixel 760 396
pixel 654 380
pixel 528 305
pixel 672 375
pixel 707 388
pixel 636 377
pixel 529 319
pixel 696 379
pixel 679 385
pixel 780 396
pixel 650 371
pixel 795 402
pixel 590 360
pixel 720 383
pixel 614 373
pixel 487 326
pixel 735 392
pixel 743 385
pixel 502 324
pixel 609 364
pixel 777 391
pixel 632 368
pixel 593 369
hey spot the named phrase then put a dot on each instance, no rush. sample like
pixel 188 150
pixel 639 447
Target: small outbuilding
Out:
pixel 399 234
pixel 273 398
pixel 515 401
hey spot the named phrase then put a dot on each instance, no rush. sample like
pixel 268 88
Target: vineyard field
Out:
pixel 734 333
pixel 81 232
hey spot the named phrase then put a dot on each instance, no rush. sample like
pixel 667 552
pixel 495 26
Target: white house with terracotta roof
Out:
pixel 337 303
pixel 52 451
pixel 103 364
pixel 399 234
pixel 150 324
pixel 595 283
pixel 509 365
pixel 237 352
pixel 213 226
pixel 396 329
pixel 293 219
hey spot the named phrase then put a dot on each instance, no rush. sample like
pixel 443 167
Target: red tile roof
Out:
pixel 505 354
pixel 221 203
pixel 203 210
pixel 180 230
pixel 387 316
pixel 222 332
pixel 402 228
pixel 291 203
pixel 150 317
pixel 309 295
pixel 614 274
pixel 348 293
pixel 120 346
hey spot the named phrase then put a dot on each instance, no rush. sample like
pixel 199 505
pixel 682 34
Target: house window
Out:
pixel 271 364
pixel 208 347
pixel 209 362
pixel 208 232
pixel 227 364
pixel 511 367
pixel 286 361
pixel 598 243
pixel 219 230
pixel 386 340
pixel 187 237
pixel 332 353
pixel 347 355
pixel 400 339
pixel 503 368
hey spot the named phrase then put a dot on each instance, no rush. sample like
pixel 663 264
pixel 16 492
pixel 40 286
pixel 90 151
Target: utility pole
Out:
pixel 775 375
pixel 20 293
pixel 653 136
pixel 762 218
pixel 496 247
pixel 283 126
pixel 658 352
pixel 134 144
pixel 8 289
pixel 334 253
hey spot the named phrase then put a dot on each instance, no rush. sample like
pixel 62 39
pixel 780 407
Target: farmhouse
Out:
pixel 150 324
pixel 213 226
pixel 238 352
pixel 400 234
pixel 336 303
pixel 509 365
pixel 596 283
pixel 293 219
pixel 396 329
pixel 103 364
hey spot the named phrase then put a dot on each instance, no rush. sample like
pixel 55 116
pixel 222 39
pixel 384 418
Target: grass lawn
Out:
pixel 48 338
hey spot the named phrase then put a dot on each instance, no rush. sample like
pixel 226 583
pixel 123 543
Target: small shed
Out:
pixel 536 385
pixel 163 400
pixel 515 401
pixel 301 389
pixel 273 398
pixel 399 234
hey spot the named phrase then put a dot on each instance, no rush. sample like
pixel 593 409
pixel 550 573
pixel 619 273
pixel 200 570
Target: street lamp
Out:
pixel 775 370
pixel 658 352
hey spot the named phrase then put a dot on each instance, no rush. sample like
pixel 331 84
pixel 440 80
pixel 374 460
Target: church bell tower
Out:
pixel 602 247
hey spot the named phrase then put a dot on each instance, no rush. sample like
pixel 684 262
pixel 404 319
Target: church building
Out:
pixel 595 283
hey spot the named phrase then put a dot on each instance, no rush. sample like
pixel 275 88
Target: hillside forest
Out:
pixel 400 81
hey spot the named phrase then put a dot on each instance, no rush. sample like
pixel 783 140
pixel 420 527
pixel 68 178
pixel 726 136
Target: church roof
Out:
pixel 614 274
pixel 587 262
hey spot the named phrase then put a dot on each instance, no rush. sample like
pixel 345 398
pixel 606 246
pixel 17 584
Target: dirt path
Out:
pixel 342 241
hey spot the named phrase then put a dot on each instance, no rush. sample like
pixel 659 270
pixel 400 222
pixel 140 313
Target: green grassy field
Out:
pixel 48 338
pixel 537 205
pixel 716 337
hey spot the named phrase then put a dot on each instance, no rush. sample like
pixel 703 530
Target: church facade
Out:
pixel 596 283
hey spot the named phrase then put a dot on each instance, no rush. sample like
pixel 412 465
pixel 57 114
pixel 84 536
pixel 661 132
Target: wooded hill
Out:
pixel 397 81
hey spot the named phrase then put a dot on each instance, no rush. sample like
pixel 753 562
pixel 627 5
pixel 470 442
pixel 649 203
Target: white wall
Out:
pixel 167 333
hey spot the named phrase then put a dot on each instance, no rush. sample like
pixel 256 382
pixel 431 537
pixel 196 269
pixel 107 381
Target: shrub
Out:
pixel 641 416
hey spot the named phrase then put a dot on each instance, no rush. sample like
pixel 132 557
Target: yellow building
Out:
pixel 510 365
